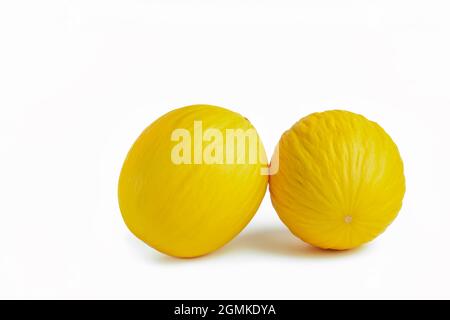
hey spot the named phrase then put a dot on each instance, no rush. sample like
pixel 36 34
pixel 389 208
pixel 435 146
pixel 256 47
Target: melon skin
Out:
pixel 340 180
pixel 187 210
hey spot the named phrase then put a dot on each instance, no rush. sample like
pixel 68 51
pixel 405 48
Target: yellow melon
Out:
pixel 192 181
pixel 339 180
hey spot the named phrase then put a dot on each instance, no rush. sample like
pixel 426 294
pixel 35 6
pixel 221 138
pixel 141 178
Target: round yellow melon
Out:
pixel 337 180
pixel 192 181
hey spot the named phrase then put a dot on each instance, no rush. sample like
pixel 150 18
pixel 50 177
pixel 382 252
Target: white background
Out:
pixel 79 80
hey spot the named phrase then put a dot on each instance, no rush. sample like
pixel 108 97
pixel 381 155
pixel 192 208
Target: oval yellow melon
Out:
pixel 340 180
pixel 191 183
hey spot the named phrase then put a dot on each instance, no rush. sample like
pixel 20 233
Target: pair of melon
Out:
pixel 336 181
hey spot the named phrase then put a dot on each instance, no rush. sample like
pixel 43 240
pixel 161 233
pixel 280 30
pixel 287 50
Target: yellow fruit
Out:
pixel 188 185
pixel 340 180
